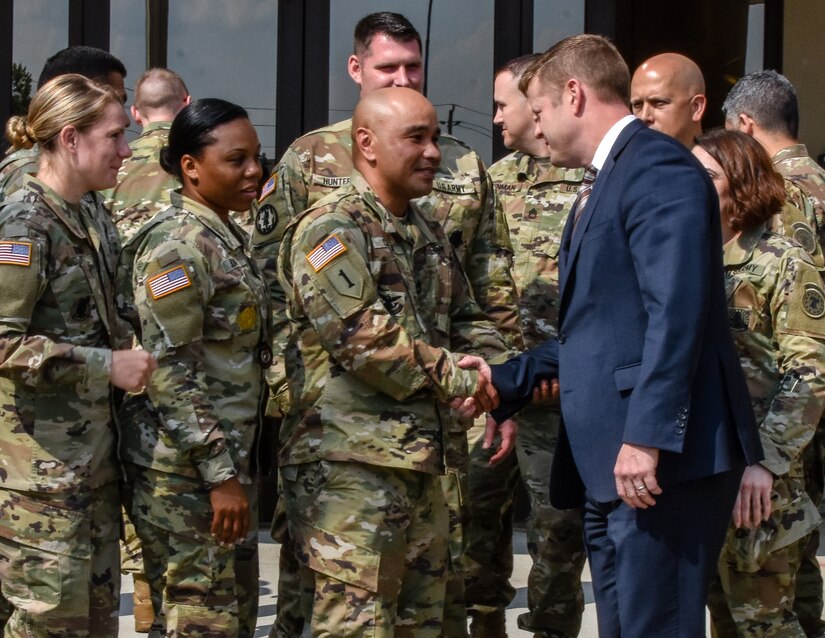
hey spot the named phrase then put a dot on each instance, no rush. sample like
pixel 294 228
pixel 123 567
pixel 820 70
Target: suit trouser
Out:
pixel 651 568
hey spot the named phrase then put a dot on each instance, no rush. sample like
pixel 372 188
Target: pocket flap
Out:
pixel 627 376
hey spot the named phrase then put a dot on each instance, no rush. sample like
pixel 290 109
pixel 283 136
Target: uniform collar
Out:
pixel 740 250
pixel 791 152
pixel 156 126
pixel 210 219
pixel 65 212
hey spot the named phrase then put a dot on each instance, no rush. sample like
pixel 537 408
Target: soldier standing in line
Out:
pixel 63 353
pixel 378 304
pixel 387 52
pixel 776 310
pixel 764 105
pixel 536 197
pixel 200 306
pixel 95 64
pixel 142 185
pixel 667 93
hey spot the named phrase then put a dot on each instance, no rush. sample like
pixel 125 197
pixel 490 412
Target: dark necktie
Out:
pixel 584 192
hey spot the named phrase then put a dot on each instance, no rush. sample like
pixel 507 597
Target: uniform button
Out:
pixel 521 177
pixel 561 338
pixel 532 214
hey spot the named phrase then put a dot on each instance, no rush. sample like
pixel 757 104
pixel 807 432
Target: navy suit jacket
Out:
pixel 644 353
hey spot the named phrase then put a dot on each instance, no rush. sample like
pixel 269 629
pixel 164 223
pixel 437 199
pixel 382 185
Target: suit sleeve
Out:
pixel 515 379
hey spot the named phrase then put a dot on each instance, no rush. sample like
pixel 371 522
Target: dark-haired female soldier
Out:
pixel 776 309
pixel 201 308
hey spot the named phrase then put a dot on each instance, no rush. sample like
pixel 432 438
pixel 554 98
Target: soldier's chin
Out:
pixel 422 187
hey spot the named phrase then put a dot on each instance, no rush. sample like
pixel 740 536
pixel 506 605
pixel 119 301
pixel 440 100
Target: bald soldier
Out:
pixel 668 94
pixel 378 305
pixel 142 185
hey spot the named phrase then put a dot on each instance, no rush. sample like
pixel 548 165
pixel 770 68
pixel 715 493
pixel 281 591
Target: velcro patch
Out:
pixel 268 188
pixel 15 253
pixel 325 252
pixel 330 182
pixel 168 281
pixel 454 187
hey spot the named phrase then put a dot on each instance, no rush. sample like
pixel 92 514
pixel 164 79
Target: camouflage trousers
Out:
pixel 375 540
pixel 199 588
pixel 555 597
pixel 756 603
pixel 59 562
pixel 808 604
pixel 131 554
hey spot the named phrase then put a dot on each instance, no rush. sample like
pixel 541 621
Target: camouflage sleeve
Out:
pixel 797 220
pixel 489 266
pixel 471 330
pixel 341 301
pixel 172 288
pixel 36 359
pixel 283 198
pixel 798 310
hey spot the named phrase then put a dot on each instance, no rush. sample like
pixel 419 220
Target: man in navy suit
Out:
pixel 657 421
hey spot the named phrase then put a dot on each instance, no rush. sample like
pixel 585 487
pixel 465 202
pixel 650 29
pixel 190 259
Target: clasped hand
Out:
pixel 485 398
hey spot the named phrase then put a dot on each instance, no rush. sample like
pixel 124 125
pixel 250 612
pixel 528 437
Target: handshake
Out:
pixel 486 397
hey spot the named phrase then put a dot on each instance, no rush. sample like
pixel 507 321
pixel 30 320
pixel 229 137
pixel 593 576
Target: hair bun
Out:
pixel 19 133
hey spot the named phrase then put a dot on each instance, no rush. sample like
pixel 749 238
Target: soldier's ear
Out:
pixel 354 69
pixel 68 138
pixel 189 168
pixel 365 140
pixel 697 107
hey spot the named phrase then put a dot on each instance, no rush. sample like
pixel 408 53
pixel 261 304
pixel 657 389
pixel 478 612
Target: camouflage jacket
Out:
pixel 462 201
pixel 796 220
pixel 796 165
pixel 536 197
pixel 58 327
pixel 776 309
pixel 377 304
pixel 202 310
pixel 14 167
pixel 142 185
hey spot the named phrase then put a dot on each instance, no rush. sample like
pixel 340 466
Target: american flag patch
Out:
pixel 168 281
pixel 325 252
pixel 16 253
pixel 268 188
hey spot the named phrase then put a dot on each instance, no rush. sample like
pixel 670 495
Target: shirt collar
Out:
pixel 603 150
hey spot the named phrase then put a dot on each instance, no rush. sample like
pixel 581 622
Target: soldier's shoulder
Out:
pixel 330 134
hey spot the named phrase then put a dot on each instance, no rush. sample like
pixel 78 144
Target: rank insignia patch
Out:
pixel 168 281
pixel 325 252
pixel 16 253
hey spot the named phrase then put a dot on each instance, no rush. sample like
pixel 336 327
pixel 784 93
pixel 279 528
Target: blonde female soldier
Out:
pixel 63 354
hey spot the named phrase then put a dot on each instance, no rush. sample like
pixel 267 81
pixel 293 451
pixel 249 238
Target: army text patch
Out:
pixel 16 253
pixel 168 281
pixel 325 252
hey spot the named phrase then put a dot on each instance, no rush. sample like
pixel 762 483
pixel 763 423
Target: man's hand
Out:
pixel 507 430
pixel 546 392
pixel 485 397
pixel 753 503
pixel 132 369
pixel 230 517
pixel 635 474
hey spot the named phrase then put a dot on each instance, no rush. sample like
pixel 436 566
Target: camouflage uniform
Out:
pixel 536 197
pixel 59 498
pixel 776 310
pixel 463 202
pixel 796 166
pixel 797 221
pixel 142 185
pixel 201 308
pixel 375 302
pixel 14 167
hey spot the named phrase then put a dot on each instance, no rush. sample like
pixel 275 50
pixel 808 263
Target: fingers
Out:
pixel 230 517
pixel 465 407
pixel 635 475
pixel 508 430
pixel 468 362
pixel 132 369
pixel 486 395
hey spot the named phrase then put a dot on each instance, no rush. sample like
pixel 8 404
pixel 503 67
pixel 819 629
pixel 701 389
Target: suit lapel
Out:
pixel 571 241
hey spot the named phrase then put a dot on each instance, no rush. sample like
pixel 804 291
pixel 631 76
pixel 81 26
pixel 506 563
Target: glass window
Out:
pixel 41 29
pixel 554 20
pixel 755 54
pixel 460 68
pixel 127 42
pixel 229 50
